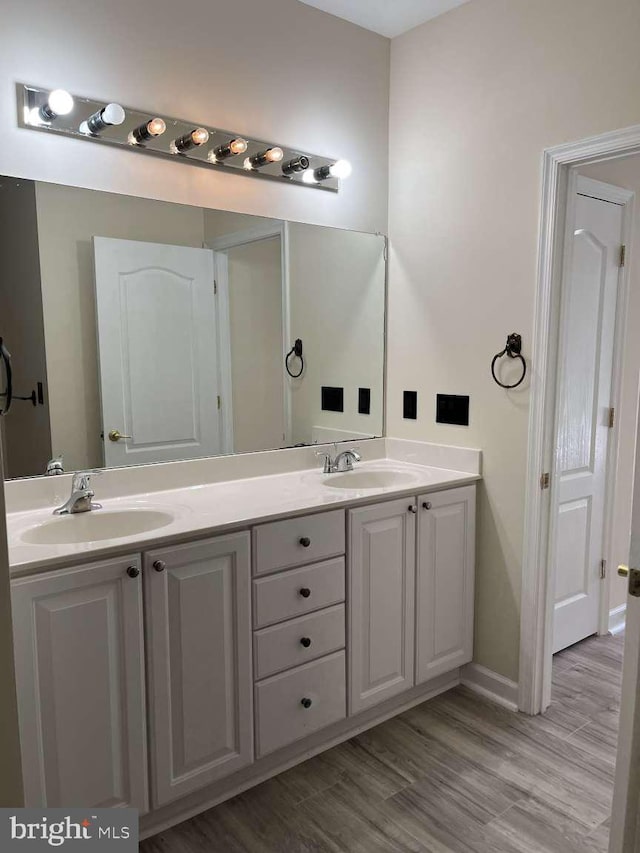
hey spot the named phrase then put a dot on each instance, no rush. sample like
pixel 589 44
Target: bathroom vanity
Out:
pixel 272 617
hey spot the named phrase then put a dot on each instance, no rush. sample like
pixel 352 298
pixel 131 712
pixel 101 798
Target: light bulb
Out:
pixel 274 155
pixel 309 177
pixel 145 132
pixel 341 169
pixel 238 146
pixel 194 139
pixel 200 136
pixel 298 164
pixel 112 114
pixel 271 155
pixel 60 102
pixel 229 149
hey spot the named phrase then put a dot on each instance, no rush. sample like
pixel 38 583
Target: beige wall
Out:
pixel 276 70
pixel 337 308
pixel 476 95
pixel 68 218
pixel 625 172
pixel 255 319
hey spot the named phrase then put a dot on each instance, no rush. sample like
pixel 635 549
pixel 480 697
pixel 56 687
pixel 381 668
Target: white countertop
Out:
pixel 208 509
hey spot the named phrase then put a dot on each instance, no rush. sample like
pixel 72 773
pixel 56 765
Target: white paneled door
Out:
pixel 158 352
pixel 584 399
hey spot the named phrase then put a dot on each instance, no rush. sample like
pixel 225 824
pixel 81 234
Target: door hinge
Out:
pixel 215 287
pixel 603 569
pixel 612 417
pixel 219 401
pixel 545 481
pixel 623 255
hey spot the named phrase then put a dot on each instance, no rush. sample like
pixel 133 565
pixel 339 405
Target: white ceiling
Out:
pixel 388 17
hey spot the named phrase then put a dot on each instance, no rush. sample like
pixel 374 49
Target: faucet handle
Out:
pixel 81 479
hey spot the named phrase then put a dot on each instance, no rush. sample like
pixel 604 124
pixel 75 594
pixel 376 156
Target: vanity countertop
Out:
pixel 213 508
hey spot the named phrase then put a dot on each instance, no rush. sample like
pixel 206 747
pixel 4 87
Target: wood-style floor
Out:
pixel 455 774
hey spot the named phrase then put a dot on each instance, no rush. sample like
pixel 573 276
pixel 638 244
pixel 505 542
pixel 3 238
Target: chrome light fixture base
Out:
pixel 30 100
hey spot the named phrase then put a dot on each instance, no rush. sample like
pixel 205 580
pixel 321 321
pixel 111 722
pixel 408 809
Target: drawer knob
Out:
pixel 305 592
pixel 305 541
pixel 133 571
pixel 412 508
pixel 306 703
pixel 159 565
pixel 306 642
pixel 426 505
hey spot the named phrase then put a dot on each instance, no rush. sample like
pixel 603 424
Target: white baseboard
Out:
pixel 617 618
pixel 491 685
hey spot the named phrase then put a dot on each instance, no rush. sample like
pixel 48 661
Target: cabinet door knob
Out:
pixel 426 505
pixel 306 703
pixel 159 565
pixel 133 571
pixel 305 592
pixel 412 508
pixel 305 541
pixel 306 642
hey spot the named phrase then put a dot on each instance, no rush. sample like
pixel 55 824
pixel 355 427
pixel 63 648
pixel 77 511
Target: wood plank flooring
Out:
pixel 455 775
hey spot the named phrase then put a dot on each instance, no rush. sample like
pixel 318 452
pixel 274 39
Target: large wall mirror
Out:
pixel 142 331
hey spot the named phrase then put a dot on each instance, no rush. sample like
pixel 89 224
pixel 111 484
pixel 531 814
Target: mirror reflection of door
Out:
pixel 158 351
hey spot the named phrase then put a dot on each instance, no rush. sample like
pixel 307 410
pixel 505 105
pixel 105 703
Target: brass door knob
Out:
pixel 623 571
pixel 116 435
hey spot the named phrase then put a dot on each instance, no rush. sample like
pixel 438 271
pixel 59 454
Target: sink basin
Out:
pixel 370 480
pixel 95 526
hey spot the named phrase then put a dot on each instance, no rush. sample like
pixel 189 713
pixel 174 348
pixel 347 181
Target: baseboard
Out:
pixel 491 685
pixel 617 619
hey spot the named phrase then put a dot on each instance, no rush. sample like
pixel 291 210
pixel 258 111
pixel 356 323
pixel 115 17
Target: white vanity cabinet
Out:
pixel 198 617
pixel 382 568
pixel 445 575
pixel 80 682
pixel 411 582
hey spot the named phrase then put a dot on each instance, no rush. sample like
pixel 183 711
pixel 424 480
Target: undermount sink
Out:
pixel 95 526
pixel 370 480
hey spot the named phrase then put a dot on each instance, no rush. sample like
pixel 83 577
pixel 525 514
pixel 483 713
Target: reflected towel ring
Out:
pixel 514 350
pixel 5 357
pixel 296 350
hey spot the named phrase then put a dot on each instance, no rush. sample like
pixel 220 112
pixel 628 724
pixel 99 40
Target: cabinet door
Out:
pixel 80 680
pixel 381 602
pixel 445 581
pixel 198 616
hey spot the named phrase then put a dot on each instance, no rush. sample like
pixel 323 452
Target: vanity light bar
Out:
pixel 59 112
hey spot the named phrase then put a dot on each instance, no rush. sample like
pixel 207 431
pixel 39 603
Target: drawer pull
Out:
pixel 412 508
pixel 306 642
pixel 305 592
pixel 305 541
pixel 159 565
pixel 426 505
pixel 133 571
pixel 306 703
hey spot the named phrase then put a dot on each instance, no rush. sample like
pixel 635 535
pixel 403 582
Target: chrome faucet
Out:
pixel 81 498
pixel 340 463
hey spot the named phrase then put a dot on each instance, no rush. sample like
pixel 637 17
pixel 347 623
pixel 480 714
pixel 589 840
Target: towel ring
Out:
pixel 514 350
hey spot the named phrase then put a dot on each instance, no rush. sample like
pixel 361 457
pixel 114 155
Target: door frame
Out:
pixel 537 599
pixel 221 246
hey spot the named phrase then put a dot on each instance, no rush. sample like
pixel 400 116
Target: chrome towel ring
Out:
pixel 513 349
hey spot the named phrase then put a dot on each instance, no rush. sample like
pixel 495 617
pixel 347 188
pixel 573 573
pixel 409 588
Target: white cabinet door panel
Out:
pixel 381 602
pixel 79 672
pixel 199 655
pixel 445 581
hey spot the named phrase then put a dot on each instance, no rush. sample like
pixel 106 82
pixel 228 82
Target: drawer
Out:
pixel 298 641
pixel 282 715
pixel 297 592
pixel 298 540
